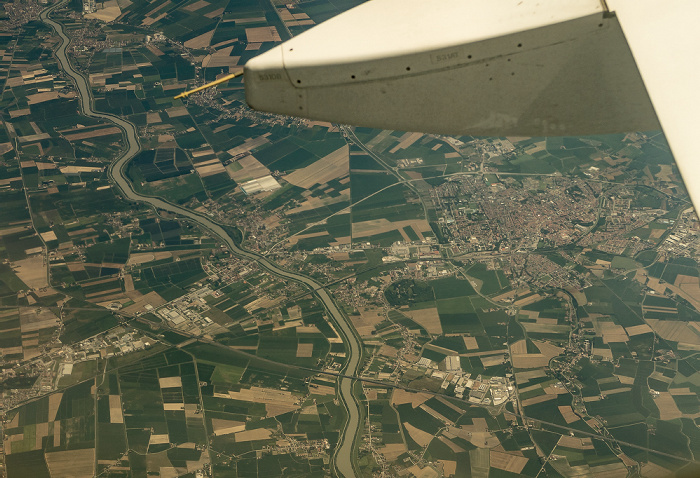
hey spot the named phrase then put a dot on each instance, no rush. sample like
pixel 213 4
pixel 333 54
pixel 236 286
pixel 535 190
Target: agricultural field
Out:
pixel 460 321
pixel 199 405
pixel 455 435
pixel 286 330
pixel 525 305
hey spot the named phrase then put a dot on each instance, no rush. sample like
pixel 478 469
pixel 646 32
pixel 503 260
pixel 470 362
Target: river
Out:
pixel 343 457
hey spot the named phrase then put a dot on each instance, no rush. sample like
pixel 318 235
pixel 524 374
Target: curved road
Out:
pixel 343 459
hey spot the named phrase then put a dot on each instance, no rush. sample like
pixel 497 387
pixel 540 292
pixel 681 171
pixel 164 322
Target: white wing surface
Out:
pixel 495 68
pixel 664 37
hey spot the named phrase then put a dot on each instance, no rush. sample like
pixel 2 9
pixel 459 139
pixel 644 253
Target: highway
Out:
pixel 343 457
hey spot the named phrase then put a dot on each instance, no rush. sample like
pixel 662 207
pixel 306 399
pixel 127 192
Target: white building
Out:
pixel 266 183
pixel 452 364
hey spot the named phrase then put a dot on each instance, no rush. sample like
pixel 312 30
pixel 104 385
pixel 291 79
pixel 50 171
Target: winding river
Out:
pixel 343 458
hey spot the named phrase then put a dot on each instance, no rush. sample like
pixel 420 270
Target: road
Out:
pixel 343 458
pixel 350 134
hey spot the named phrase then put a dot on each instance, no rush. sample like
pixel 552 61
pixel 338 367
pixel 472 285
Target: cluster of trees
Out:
pixel 408 291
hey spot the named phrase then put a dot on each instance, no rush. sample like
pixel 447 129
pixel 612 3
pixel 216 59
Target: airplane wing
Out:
pixel 495 68
pixel 664 40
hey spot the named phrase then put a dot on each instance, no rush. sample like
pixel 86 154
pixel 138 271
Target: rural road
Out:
pixel 343 458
